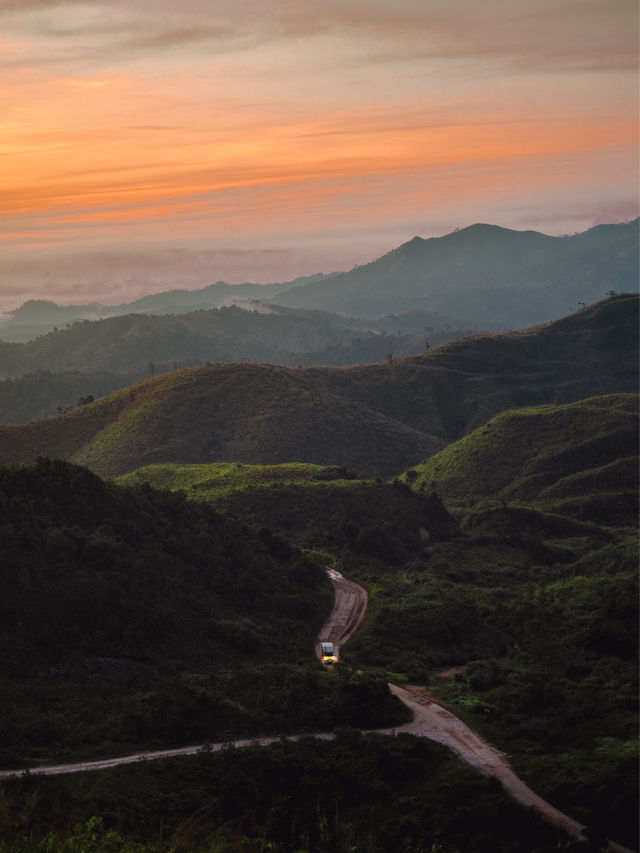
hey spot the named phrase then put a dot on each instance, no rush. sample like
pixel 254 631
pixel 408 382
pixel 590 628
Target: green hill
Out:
pixel 549 455
pixel 378 419
pixel 326 509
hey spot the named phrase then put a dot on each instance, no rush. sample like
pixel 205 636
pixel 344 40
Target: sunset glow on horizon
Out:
pixel 334 130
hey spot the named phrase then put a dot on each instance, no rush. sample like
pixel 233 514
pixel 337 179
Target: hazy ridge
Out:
pixel 379 419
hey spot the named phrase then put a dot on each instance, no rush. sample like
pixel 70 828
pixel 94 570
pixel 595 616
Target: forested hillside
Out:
pixel 139 345
pixel 328 510
pixel 378 419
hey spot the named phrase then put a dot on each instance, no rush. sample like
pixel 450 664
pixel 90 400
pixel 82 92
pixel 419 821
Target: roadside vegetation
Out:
pixel 548 507
pixel 357 794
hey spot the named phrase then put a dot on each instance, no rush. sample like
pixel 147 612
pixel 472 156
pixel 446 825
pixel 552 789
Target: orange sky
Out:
pixel 326 133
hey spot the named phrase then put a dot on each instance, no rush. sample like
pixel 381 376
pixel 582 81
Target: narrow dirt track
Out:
pixel 430 720
pixel 350 605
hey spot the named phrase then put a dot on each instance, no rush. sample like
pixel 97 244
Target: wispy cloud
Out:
pixel 552 35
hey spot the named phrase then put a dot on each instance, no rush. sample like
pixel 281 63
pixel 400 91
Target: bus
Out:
pixel 328 654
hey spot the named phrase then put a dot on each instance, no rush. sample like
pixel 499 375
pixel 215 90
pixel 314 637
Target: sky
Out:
pixel 153 144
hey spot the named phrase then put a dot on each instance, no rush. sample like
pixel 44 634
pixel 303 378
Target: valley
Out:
pixel 164 552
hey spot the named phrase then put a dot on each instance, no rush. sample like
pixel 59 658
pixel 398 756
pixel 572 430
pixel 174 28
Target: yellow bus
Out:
pixel 328 654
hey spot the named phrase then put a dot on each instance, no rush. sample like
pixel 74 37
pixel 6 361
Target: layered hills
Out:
pixel 40 316
pixel 94 358
pixel 378 419
pixel 139 345
pixel 420 295
pixel 483 274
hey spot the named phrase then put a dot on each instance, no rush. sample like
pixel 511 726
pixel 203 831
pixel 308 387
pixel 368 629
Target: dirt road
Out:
pixel 436 723
pixel 350 605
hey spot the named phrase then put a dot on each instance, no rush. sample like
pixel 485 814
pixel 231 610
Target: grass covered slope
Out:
pixel 321 508
pixel 134 617
pixel 571 458
pixel 379 419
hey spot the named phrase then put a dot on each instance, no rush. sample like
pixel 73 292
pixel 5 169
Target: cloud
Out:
pixel 569 34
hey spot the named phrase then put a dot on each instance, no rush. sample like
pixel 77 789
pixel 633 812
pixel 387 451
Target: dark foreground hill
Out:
pixel 491 274
pixel 131 617
pixel 320 509
pixel 378 419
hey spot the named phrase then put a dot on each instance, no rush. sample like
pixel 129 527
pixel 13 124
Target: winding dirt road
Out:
pixel 349 607
pixel 430 720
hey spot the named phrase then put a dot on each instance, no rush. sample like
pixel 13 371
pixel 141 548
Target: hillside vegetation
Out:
pixel 557 457
pixel 535 601
pixel 141 345
pixel 131 617
pixel 360 794
pixel 322 509
pixel 377 419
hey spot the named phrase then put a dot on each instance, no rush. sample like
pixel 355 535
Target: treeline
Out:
pixel 319 508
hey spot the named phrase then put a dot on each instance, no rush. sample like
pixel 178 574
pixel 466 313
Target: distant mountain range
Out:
pixel 379 419
pixel 482 275
pixel 40 316
pixel 419 296
pixel 509 279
